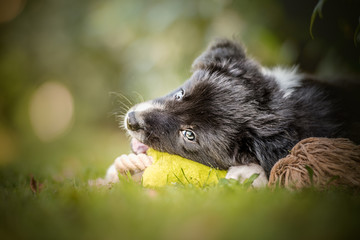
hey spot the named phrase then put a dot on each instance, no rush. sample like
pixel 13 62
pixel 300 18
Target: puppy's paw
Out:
pixel 243 172
pixel 134 164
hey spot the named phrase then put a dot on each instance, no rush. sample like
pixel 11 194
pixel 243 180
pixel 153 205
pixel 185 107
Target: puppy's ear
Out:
pixel 221 52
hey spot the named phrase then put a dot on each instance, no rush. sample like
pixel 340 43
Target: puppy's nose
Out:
pixel 132 123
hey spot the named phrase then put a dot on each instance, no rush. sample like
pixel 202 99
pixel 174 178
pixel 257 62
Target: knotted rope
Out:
pixel 320 162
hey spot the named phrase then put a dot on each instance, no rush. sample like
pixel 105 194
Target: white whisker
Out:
pixel 141 98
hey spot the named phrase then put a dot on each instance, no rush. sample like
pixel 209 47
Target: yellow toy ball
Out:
pixel 171 169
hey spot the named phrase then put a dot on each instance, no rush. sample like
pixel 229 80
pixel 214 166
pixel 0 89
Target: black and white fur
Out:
pixel 234 114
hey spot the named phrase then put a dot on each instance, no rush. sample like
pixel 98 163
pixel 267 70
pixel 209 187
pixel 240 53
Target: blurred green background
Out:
pixel 68 69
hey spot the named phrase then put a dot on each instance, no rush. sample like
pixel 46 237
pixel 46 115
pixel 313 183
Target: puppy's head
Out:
pixel 208 118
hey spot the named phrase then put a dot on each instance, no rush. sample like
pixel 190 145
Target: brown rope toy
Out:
pixel 319 162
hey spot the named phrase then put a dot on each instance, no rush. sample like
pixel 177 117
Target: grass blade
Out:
pixel 317 11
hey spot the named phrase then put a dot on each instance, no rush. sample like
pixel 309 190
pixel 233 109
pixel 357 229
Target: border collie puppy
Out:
pixel 234 114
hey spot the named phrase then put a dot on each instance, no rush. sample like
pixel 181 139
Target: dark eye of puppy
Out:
pixel 179 94
pixel 189 135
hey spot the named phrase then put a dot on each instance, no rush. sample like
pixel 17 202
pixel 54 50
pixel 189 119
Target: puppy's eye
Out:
pixel 179 94
pixel 189 135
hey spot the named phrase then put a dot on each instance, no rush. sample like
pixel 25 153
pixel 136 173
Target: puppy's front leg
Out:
pixel 243 172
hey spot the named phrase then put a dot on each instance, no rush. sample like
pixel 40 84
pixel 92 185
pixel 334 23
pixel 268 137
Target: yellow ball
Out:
pixel 170 169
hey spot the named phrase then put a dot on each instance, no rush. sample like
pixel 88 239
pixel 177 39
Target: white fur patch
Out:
pixel 287 79
pixel 243 172
pixel 125 120
pixel 146 106
pixel 142 107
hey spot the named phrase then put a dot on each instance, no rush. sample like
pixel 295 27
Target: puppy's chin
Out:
pixel 138 147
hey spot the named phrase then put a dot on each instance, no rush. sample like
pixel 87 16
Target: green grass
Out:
pixel 67 208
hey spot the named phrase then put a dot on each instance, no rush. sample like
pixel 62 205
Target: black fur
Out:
pixel 239 115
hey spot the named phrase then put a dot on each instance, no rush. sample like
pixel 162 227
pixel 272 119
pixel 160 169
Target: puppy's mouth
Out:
pixel 138 147
pixel 136 126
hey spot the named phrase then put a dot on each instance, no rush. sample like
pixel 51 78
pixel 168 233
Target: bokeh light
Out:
pixel 51 110
pixel 9 9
